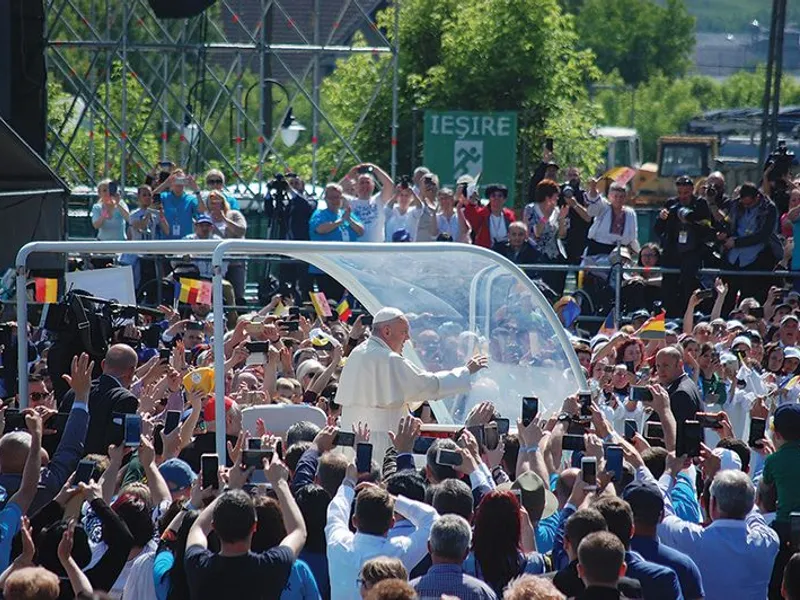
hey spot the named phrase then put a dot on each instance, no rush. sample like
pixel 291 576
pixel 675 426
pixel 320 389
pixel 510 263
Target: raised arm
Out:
pixel 33 463
pixel 159 490
pixel 278 475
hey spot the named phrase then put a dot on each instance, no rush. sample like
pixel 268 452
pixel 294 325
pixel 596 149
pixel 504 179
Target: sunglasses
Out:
pixel 38 396
pixel 214 181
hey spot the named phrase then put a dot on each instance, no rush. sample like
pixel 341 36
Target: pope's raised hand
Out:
pixel 476 363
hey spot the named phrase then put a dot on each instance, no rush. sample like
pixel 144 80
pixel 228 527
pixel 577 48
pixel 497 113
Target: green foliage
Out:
pixel 639 38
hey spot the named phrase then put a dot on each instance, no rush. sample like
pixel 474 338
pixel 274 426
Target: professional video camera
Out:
pixel 781 159
pixel 84 323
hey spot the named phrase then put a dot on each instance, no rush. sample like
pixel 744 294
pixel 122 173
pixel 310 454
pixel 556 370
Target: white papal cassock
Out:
pixel 379 386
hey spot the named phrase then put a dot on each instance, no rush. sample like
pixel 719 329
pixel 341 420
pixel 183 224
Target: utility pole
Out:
pixel 772 81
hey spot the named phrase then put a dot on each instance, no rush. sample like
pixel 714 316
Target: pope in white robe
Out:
pixel 378 386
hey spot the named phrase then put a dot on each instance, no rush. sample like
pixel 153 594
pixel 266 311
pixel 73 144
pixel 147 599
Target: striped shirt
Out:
pixel 451 580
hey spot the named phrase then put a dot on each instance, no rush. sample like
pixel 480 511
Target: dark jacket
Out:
pixel 300 210
pixel 106 397
pixel 766 231
pixel 601 593
pixel 698 229
pixel 527 255
pixel 570 584
pixel 684 398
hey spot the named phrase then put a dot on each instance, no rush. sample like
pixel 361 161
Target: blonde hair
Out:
pixel 215 173
pixel 530 587
pixel 31 582
pixel 382 567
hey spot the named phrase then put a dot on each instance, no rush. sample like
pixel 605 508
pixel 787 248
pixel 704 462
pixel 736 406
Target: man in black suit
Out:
pixel 601 565
pixel 518 249
pixel 567 580
pixel 684 396
pixel 109 395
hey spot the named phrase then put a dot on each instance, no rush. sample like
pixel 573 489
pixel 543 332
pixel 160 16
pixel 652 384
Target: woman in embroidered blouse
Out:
pixel 613 222
pixel 547 225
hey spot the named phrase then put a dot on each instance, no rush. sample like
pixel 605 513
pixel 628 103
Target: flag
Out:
pixel 343 309
pixel 46 290
pixel 653 328
pixel 791 383
pixel 280 309
pixel 608 327
pixel 195 291
pixel 321 305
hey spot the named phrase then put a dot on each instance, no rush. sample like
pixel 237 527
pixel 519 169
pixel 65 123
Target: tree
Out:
pixel 639 38
pixel 483 55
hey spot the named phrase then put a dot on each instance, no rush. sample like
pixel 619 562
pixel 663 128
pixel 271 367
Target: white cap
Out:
pixel 386 314
pixel 729 460
pixel 789 317
pixel 727 358
pixel 734 324
pixel 742 340
pixel 791 352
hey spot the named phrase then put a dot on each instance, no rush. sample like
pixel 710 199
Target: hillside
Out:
pixel 735 15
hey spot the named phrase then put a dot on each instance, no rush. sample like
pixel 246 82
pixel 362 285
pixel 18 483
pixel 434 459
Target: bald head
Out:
pixel 120 362
pixel 669 364
pixel 14 448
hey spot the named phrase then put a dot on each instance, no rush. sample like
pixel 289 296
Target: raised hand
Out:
pixel 80 377
pixel 65 545
pixel 476 363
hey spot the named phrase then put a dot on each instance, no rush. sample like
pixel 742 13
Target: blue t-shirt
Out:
pixel 546 532
pixel 343 233
pixel 9 526
pixel 796 251
pixel 180 213
pixel 301 584
pixel 162 564
pixel 113 229
pixel 318 563
pixel 688 573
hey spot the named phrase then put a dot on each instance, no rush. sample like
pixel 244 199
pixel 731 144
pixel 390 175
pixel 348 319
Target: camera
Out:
pixel 566 193
pixel 781 159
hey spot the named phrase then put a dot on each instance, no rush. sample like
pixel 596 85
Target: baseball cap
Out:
pixel 401 235
pixel 728 459
pixel 734 324
pixel 640 314
pixel 791 352
pixel 742 340
pixel 643 497
pixel 177 473
pixel 727 358
pixel 208 412
pixel 204 218
pixel 787 418
pixel 790 317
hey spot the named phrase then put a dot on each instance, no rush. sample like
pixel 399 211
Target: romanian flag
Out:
pixel 608 327
pixel 195 291
pixel 343 309
pixel 653 328
pixel 46 290
pixel 321 305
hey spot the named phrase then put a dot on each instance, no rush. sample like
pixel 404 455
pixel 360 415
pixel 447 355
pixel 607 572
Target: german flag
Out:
pixel 653 328
pixel 46 290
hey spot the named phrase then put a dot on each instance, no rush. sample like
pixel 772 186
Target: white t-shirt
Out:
pixel 409 221
pixel 372 216
pixel 450 225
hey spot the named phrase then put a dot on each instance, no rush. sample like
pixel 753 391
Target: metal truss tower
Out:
pixel 139 89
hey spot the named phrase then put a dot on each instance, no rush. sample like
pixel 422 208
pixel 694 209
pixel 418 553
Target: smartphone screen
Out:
pixel 630 429
pixel 589 470
pixel 133 431
pixel 708 421
pixel 503 426
pixel 575 443
pixel 450 458
pixel 422 444
pixel 164 354
pixel 654 430
pixel 294 311
pixel 14 419
pixel 258 352
pixel 613 456
pixel 344 438
pixel 57 422
pixel 585 398
pixel 209 471
pixel 758 431
pixel 364 458
pixel 491 437
pixel 172 421
pixel 530 408
pixel 113 188
pixel 690 434
pixel 254 443
pixel 255 458
pixel 84 472
pixel 641 394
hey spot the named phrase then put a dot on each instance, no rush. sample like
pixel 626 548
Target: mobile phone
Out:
pixel 255 458
pixel 188 357
pixel 758 431
pixel 84 472
pixel 477 431
pixel 57 422
pixel 589 471
pixel 640 393
pixel 705 294
pixel 294 311
pixel 503 426
pixel 530 408
pixel 258 352
pixel 133 431
pixel 366 320
pixel 449 458
pixel 654 430
pixel 794 526
pixel 113 188
pixel 644 372
pixel 172 421
pixel 613 456
pixel 164 354
pixel 422 444
pixel 14 419
pixel 195 326
pixel 690 435
pixel 344 438
pixel 254 443
pixel 548 144
pixel 181 180
pixel 708 421
pixel 572 442
pixel 630 429
pixel 291 326
pixel 518 494
pixel 630 366
pixel 491 437
pixel 364 169
pixel 585 398
pixel 209 471
pixel 757 312
pixel 363 458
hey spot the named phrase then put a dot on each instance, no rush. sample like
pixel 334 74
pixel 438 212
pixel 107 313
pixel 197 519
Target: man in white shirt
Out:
pixel 373 517
pixel 736 552
pixel 367 205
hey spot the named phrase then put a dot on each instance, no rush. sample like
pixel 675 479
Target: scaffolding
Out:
pixel 138 89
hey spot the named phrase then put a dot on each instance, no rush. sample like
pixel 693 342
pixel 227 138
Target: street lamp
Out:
pixel 291 129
